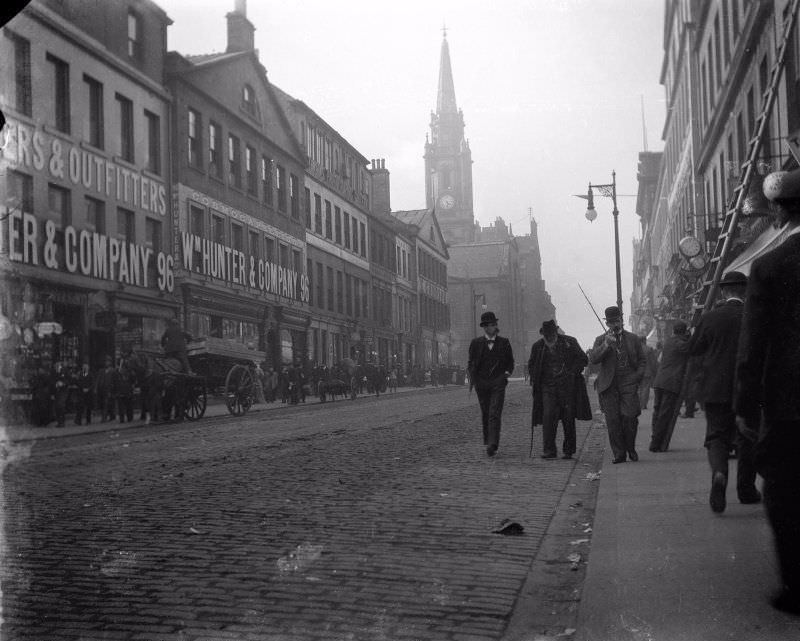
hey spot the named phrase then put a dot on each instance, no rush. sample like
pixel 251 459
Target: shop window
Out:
pixel 126 141
pixel 215 326
pixel 287 349
pixel 95 215
pixel 152 331
pixel 59 71
pixel 153 160
pixel 93 123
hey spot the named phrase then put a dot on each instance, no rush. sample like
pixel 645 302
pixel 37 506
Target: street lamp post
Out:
pixel 611 192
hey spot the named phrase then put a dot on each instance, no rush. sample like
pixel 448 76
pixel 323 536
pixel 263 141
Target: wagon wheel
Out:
pixel 195 405
pixel 239 389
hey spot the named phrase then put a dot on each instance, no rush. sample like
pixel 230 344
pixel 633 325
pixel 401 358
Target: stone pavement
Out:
pixel 664 567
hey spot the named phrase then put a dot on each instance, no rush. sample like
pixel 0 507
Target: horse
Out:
pixel 161 390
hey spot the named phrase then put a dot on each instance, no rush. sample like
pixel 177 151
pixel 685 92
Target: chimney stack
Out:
pixel 241 32
pixel 380 187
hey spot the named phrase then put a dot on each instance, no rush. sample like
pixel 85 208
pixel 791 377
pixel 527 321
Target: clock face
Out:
pixel 690 246
pixel 447 201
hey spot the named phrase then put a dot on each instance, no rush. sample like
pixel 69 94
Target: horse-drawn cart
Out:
pixel 228 368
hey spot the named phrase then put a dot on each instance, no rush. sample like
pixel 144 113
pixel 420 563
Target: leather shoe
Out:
pixel 748 498
pixel 786 601
pixel 619 459
pixel 717 497
pixel 567 456
pixel 491 450
pixel 633 456
pixel 549 456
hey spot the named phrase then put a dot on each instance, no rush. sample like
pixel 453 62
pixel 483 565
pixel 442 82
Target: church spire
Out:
pixel 446 99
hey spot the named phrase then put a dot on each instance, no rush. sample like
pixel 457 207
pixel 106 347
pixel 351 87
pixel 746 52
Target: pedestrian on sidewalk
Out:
pixel 622 363
pixel 491 361
pixel 694 381
pixel 651 358
pixel 714 344
pixel 768 380
pixel 84 383
pixel 555 370
pixel 667 386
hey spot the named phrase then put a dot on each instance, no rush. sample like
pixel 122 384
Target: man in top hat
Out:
pixel 714 343
pixel 556 367
pixel 667 385
pixel 491 362
pixel 767 383
pixel 622 364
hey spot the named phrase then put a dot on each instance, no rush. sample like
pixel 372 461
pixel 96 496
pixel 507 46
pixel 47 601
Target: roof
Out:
pixel 478 260
pixel 206 58
pixel 427 225
pixel 411 216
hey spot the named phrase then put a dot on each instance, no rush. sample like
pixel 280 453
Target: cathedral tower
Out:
pixel 448 161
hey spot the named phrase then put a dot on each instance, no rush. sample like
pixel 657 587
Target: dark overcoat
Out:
pixel 605 356
pixel 576 361
pixel 672 367
pixel 478 349
pixel 714 343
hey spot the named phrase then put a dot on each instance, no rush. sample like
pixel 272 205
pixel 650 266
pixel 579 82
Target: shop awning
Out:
pixel 767 241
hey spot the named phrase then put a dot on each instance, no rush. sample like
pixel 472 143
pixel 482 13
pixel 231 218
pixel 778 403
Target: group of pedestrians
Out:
pixel 741 362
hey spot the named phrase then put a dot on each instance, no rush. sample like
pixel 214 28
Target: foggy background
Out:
pixel 551 92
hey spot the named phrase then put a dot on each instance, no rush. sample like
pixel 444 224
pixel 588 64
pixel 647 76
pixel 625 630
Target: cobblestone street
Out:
pixel 350 520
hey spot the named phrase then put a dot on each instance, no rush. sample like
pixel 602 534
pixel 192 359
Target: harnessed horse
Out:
pixel 161 382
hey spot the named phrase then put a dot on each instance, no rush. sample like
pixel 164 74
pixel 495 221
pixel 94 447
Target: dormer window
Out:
pixel 134 36
pixel 249 100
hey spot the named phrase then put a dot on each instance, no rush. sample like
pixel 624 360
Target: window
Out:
pixel 134 36
pixel 197 222
pixel 237 237
pixel 294 196
pixel 266 179
pixel 20 191
pixel 328 220
pixel 234 162
pixel 58 202
pixel 152 237
pixel 280 179
pixel 348 294
pixel 254 245
pixel 337 225
pixel 269 249
pixel 22 73
pixel 249 100
pixel 339 292
pixel 284 258
pixel 329 288
pixel 355 235
pixel 347 230
pixel 250 170
pixel 309 272
pixel 194 141
pixel 356 297
pixel 317 214
pixel 125 225
pixel 60 82
pixel 93 123
pixel 218 229
pixel 153 160
pixel 125 128
pixel 96 215
pixel 214 161
pixel 363 240
pixel 297 261
pixel 307 205
pixel 320 287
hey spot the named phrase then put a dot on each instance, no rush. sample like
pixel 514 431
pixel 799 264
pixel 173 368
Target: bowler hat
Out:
pixel 549 327
pixel 488 318
pixel 733 278
pixel 613 313
pixel 679 327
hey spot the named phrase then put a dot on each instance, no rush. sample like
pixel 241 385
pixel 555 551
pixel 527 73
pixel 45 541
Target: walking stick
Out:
pixel 593 310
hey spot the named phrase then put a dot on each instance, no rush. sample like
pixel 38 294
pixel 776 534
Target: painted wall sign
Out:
pixel 88 253
pixel 30 147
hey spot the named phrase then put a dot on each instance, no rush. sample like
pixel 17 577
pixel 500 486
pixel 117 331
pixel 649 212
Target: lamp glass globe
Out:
pixel 591 214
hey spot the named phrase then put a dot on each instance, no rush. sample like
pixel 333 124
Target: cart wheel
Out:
pixel 195 406
pixel 239 390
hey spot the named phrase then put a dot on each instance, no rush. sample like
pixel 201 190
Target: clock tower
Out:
pixel 448 162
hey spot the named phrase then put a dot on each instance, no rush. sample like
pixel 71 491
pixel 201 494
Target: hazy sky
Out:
pixel 551 94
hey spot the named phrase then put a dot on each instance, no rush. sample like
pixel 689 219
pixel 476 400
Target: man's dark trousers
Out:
pixel 665 404
pixel 557 404
pixel 622 430
pixel 721 434
pixel 491 396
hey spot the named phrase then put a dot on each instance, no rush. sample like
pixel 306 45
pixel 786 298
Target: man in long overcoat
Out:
pixel 622 363
pixel 667 386
pixel 768 380
pixel 491 362
pixel 714 344
pixel 555 369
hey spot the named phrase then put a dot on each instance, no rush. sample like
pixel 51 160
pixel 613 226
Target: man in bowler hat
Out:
pixel 556 367
pixel 667 385
pixel 766 396
pixel 622 364
pixel 491 362
pixel 714 343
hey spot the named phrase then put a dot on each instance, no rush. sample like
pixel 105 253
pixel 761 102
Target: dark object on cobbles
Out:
pixel 508 527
